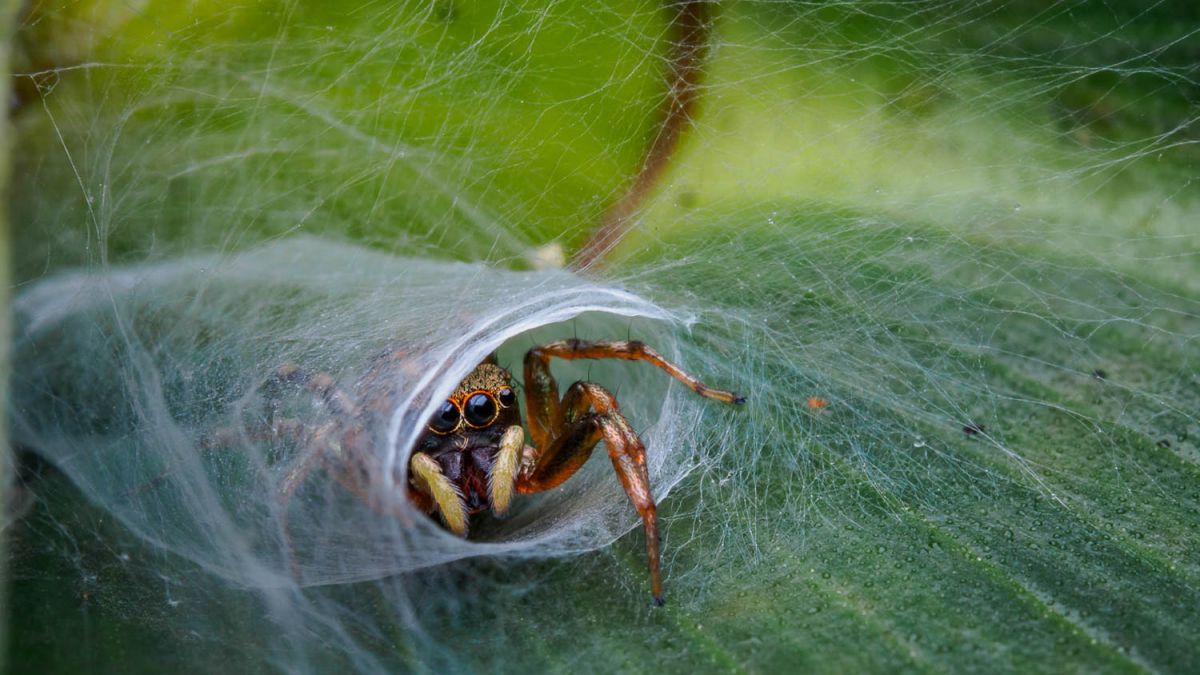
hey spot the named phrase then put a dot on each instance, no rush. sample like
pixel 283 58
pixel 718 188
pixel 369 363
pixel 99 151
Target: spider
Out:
pixel 472 456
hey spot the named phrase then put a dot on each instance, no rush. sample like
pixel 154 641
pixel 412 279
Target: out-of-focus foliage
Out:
pixel 6 466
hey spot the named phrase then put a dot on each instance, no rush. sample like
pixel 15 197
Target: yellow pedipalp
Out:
pixel 503 475
pixel 433 482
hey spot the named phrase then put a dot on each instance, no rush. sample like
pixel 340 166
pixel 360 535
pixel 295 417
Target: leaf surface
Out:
pixel 970 235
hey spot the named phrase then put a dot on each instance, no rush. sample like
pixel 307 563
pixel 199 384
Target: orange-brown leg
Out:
pixel 537 363
pixel 590 413
pixel 565 432
pixel 543 414
pixel 564 449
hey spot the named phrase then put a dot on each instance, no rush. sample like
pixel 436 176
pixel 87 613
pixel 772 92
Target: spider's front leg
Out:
pixel 565 432
pixel 537 363
pixel 590 413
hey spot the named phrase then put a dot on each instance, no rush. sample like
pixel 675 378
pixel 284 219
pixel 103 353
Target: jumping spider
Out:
pixel 472 455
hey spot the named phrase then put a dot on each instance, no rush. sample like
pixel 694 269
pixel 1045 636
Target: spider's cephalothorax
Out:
pixel 472 456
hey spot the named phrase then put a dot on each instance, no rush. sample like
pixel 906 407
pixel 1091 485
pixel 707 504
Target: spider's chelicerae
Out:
pixel 473 457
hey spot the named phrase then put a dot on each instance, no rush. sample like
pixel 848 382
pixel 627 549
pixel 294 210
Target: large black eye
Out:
pixel 507 398
pixel 480 410
pixel 445 419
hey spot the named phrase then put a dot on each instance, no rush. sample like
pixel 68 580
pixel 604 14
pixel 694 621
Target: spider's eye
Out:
pixel 445 419
pixel 507 398
pixel 480 410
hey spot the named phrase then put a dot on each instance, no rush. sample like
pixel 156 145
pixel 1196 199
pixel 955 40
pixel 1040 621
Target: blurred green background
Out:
pixel 1040 158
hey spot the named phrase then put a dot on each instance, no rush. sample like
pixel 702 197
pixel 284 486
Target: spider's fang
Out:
pixel 504 471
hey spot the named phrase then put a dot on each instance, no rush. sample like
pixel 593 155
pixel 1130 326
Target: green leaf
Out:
pixel 948 251
pixel 9 497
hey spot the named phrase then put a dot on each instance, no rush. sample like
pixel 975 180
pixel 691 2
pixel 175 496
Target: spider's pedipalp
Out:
pixel 445 494
pixel 503 474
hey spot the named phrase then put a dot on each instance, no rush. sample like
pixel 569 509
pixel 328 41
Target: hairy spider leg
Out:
pixel 626 350
pixel 590 413
pixel 342 409
pixel 331 445
pixel 324 446
pixel 565 432
pixel 313 448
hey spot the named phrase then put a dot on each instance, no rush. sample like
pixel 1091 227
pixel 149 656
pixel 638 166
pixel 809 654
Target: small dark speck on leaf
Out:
pixel 446 11
pixel 1163 443
pixel 971 429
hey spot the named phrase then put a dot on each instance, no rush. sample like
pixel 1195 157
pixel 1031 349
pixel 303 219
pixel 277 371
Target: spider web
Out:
pixel 947 249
